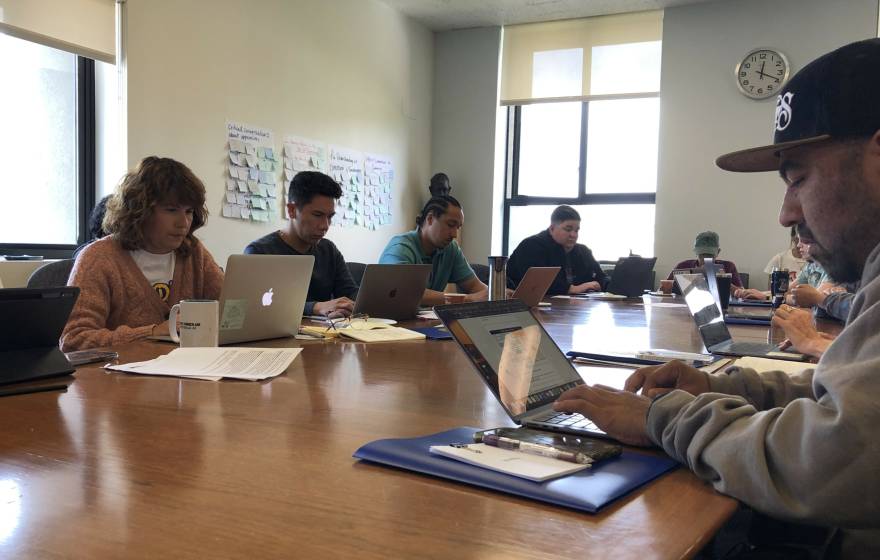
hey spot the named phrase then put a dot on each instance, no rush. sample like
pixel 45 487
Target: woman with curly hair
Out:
pixel 149 261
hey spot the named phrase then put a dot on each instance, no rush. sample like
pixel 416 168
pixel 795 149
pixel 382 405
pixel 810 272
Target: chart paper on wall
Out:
pixel 252 169
pixel 347 169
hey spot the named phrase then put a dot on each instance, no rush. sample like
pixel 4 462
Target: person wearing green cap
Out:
pixel 707 246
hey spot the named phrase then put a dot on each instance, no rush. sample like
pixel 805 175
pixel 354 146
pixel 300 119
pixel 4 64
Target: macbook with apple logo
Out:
pixel 263 296
pixel 392 291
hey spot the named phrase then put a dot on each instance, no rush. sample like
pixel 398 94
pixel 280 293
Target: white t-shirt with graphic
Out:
pixel 157 269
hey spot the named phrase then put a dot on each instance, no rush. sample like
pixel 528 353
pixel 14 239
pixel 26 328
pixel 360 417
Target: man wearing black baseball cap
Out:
pixel 805 447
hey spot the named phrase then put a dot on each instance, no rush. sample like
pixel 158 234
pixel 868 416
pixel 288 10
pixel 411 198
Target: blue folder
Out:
pixel 586 490
pixel 433 333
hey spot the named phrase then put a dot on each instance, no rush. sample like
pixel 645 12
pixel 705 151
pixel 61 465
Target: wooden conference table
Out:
pixel 148 467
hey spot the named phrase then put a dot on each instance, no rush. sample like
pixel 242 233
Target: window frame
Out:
pixel 511 175
pixel 86 168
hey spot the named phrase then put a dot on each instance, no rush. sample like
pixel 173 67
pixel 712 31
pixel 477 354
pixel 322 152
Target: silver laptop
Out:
pixel 535 283
pixel 392 291
pixel 706 311
pixel 518 361
pixel 263 296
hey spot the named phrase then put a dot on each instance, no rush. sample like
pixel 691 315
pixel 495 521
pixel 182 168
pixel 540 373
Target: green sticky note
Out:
pixel 234 312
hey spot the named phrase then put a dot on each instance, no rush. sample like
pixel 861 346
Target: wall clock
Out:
pixel 761 73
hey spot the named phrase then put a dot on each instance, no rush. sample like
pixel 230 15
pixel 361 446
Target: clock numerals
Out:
pixel 761 73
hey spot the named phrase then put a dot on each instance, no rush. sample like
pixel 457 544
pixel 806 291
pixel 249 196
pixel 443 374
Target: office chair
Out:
pixel 357 271
pixel 482 272
pixel 52 275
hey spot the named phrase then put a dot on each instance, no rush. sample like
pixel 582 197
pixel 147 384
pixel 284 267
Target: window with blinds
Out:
pixel 60 110
pixel 583 102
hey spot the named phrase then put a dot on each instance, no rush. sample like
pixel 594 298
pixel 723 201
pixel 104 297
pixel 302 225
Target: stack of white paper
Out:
pixel 768 364
pixel 252 364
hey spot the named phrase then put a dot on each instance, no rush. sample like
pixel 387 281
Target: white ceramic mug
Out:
pixel 199 320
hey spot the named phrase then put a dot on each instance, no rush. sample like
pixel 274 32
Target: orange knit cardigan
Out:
pixel 117 304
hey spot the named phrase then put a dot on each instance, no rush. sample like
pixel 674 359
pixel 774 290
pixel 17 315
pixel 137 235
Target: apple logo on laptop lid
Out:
pixel 392 293
pixel 267 298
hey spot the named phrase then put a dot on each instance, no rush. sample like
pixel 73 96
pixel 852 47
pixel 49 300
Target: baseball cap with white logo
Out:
pixel 835 96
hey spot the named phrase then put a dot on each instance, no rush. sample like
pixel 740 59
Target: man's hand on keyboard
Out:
pixel 620 414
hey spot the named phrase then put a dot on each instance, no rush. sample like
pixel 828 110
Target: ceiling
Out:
pixel 443 15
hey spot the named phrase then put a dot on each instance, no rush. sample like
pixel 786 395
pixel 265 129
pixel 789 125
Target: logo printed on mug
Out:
pixel 199 323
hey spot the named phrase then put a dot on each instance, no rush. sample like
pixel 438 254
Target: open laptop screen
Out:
pixel 516 357
pixel 704 308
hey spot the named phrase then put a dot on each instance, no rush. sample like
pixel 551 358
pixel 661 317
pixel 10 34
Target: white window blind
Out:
pixel 582 59
pixel 83 27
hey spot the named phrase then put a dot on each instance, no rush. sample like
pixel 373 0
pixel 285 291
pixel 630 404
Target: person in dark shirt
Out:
pixel 558 246
pixel 439 185
pixel 707 245
pixel 311 207
pixel 95 224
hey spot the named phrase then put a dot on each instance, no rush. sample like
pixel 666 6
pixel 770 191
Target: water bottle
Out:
pixel 497 278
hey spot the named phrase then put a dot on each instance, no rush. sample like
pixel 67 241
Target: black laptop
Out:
pixel 632 276
pixel 30 331
pixel 518 361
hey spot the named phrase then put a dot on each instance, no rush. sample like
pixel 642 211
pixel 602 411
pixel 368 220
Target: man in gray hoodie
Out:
pixel 803 448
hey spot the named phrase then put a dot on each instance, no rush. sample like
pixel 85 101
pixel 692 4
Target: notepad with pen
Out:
pixel 587 490
pixel 531 454
pixel 363 332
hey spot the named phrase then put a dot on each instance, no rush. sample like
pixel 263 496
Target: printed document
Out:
pixel 251 364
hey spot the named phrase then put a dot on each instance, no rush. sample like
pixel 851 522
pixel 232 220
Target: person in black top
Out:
pixel 310 206
pixel 558 246
pixel 95 224
pixel 439 185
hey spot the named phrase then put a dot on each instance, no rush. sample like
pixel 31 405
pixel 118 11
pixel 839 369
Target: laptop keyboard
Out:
pixel 566 420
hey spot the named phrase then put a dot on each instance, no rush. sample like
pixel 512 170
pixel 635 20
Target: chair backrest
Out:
pixel 482 272
pixel 744 278
pixel 52 275
pixel 357 271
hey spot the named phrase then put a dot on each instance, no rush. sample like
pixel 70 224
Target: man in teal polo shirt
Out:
pixel 433 242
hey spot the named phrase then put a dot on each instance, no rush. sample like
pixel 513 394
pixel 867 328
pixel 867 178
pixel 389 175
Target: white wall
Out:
pixel 703 115
pixel 350 72
pixel 464 129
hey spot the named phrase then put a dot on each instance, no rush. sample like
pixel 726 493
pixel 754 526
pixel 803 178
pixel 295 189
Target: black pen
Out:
pixel 27 390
